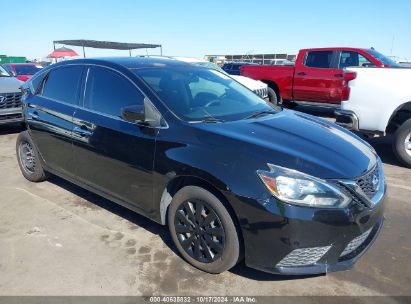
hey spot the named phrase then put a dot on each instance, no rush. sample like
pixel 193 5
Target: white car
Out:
pixel 258 87
pixel 380 104
pixel 10 98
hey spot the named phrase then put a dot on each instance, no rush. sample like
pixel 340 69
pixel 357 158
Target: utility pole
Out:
pixel 392 45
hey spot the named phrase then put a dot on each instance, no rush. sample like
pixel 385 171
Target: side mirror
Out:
pixel 133 113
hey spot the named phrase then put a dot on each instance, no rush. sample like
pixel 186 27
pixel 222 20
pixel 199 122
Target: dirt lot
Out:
pixel 57 239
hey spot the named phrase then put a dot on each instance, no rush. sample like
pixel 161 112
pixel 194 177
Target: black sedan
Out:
pixel 232 176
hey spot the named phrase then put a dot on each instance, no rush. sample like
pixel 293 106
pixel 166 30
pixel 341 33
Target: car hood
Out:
pixel 249 83
pixel 297 141
pixel 9 85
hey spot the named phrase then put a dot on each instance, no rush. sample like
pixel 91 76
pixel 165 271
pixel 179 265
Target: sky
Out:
pixel 196 28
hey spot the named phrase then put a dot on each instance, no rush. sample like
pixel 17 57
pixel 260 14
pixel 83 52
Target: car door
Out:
pixel 112 155
pixel 49 114
pixel 318 78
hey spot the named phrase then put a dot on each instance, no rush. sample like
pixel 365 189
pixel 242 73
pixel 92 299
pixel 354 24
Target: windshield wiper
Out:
pixel 259 113
pixel 208 119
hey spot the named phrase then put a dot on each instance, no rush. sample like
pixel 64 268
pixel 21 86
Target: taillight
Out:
pixel 348 76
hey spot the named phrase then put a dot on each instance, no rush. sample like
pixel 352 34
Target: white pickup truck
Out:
pixel 380 104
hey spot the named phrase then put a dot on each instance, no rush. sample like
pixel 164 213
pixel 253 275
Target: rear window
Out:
pixel 26 69
pixel 319 59
pixel 63 84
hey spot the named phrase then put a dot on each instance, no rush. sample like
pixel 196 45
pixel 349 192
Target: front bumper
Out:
pixel 287 239
pixel 11 115
pixel 262 92
pixel 347 119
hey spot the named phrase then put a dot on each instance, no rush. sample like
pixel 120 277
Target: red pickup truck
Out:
pixel 318 76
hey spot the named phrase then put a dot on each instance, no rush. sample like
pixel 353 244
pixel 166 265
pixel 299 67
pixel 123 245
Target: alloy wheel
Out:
pixel 27 157
pixel 408 144
pixel 199 230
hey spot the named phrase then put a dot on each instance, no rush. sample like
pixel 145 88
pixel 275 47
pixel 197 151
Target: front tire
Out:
pixel 402 143
pixel 272 96
pixel 29 158
pixel 203 230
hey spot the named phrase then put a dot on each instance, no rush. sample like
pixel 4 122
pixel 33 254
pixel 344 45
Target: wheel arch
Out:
pixel 398 117
pixel 273 85
pixel 179 182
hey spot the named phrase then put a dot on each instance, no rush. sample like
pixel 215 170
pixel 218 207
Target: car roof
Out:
pixel 336 49
pixel 128 62
pixel 21 63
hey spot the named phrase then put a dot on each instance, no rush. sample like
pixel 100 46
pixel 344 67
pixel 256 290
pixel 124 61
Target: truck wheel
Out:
pixel 29 159
pixel 203 230
pixel 272 96
pixel 402 143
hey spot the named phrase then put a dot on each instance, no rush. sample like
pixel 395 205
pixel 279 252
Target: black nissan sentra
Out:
pixel 231 176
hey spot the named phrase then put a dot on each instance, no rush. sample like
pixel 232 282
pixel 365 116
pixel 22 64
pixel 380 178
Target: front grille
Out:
pixel 263 93
pixel 365 182
pixel 5 118
pixel 303 256
pixel 10 100
pixel 355 243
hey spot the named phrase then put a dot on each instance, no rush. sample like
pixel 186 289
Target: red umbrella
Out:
pixel 62 52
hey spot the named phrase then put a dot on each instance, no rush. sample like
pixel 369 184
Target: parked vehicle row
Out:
pixel 318 77
pixel 380 104
pixel 22 71
pixel 231 175
pixel 233 68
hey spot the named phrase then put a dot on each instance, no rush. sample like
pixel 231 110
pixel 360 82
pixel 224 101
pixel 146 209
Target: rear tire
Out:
pixel 29 159
pixel 402 143
pixel 203 230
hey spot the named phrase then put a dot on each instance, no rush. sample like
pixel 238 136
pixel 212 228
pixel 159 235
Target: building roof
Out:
pixel 107 44
pixel 130 62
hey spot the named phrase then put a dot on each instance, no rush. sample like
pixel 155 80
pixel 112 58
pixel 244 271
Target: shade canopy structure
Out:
pixel 107 45
pixel 62 52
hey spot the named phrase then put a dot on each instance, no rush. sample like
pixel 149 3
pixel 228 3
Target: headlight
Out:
pixel 295 187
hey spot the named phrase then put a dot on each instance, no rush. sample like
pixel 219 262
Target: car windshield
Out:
pixel 26 69
pixel 199 94
pixel 3 72
pixel 382 58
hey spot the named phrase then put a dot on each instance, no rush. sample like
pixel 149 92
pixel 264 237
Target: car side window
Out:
pixel 63 84
pixel 319 59
pixel 108 92
pixel 35 83
pixel 353 59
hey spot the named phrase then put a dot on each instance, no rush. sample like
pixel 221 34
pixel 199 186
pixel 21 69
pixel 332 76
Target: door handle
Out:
pixel 301 73
pixel 82 131
pixel 339 75
pixel 34 115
